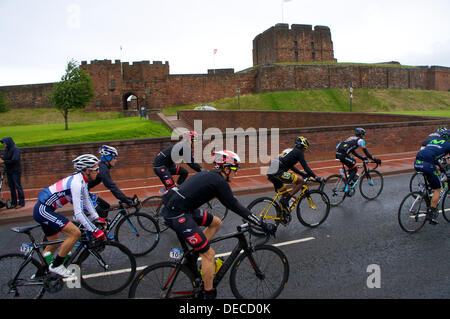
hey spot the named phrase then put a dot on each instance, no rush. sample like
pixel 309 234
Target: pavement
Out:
pixel 247 181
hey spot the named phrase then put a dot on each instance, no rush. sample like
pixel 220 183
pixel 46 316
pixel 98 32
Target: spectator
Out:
pixel 13 170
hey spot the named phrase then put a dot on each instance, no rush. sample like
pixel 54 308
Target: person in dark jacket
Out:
pixel 13 170
pixel 108 159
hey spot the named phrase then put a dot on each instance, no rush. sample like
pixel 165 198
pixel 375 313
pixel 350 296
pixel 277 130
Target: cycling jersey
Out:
pixel 284 163
pixel 431 137
pixel 164 158
pixel 71 189
pixel 181 206
pixel 350 145
pixel 435 150
pixel 105 176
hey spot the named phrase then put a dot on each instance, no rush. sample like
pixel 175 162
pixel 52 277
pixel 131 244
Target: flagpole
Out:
pixel 121 65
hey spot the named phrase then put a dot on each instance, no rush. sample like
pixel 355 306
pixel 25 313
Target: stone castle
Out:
pixel 282 57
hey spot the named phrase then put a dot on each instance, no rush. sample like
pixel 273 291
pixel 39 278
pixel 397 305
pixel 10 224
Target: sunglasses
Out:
pixel 94 169
pixel 234 168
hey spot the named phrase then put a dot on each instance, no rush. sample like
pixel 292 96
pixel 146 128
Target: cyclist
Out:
pixel 433 135
pixel 164 165
pixel 347 148
pixel 278 170
pixel 108 160
pixel 182 214
pixel 72 188
pixel 426 161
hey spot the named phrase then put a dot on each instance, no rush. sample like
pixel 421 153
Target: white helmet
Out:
pixel 85 161
pixel 107 150
pixel 226 158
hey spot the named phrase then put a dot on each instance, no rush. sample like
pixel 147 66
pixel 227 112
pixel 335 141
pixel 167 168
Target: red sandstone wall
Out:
pixel 45 165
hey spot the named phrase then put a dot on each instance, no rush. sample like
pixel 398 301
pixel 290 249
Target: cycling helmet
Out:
pixel 441 129
pixel 226 158
pixel 360 131
pixel 85 161
pixel 301 142
pixel 106 151
pixel 446 134
pixel 190 135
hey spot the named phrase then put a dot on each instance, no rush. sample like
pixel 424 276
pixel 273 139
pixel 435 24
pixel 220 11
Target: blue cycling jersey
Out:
pixel 435 149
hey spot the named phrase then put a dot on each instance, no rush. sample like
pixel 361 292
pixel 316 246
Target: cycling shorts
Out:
pixel 278 180
pixel 430 172
pixel 346 159
pixel 52 223
pixel 187 227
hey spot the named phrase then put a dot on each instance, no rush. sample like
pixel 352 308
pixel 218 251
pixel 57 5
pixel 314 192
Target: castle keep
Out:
pixel 122 86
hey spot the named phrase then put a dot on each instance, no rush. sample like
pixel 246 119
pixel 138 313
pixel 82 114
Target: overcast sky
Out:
pixel 39 37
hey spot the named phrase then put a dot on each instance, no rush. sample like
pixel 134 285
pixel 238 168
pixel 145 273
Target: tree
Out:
pixel 74 91
pixel 4 105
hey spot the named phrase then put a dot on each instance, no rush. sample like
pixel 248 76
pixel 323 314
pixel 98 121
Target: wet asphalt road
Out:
pixel 340 258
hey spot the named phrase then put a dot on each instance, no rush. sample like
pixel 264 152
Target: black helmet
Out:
pixel 301 142
pixel 360 131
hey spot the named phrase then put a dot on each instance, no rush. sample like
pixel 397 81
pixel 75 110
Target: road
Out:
pixel 359 252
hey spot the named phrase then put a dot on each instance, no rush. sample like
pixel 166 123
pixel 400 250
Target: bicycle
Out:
pixel 138 231
pixel 313 207
pixel 260 271
pixel 415 206
pixel 153 206
pixel 418 179
pixel 370 184
pixel 105 267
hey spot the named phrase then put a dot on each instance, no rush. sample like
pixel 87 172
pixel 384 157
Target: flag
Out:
pixel 215 51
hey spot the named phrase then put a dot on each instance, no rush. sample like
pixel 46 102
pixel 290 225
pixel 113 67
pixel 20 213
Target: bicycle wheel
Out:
pixel 139 232
pixel 313 208
pixel 335 189
pixel 153 206
pixel 154 280
pixel 23 286
pixel 412 212
pixel 371 184
pixel 106 268
pixel 446 205
pixel 261 275
pixel 417 182
pixel 216 208
pixel 267 210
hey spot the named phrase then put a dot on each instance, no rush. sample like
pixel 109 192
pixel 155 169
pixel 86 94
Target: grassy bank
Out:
pixel 337 100
pixel 80 132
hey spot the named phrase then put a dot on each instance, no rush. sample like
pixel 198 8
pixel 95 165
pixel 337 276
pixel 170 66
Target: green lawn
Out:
pixel 80 132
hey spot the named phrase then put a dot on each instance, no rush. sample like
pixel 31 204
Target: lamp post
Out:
pixel 238 90
pixel 351 95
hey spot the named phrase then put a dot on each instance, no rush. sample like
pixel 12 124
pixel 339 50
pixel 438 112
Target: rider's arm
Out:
pixel 226 197
pixel 299 172
pixel 109 184
pixel 196 167
pixel 80 198
pixel 305 166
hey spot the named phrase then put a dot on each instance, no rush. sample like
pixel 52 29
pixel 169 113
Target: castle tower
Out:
pixel 300 43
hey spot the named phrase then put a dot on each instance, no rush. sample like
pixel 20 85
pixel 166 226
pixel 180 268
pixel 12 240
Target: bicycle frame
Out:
pixel 303 192
pixel 189 258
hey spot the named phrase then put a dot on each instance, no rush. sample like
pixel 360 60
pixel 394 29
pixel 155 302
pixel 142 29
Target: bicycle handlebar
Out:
pixel 135 204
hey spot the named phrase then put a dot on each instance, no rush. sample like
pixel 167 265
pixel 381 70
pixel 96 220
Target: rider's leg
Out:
pixel 208 268
pixel 213 228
